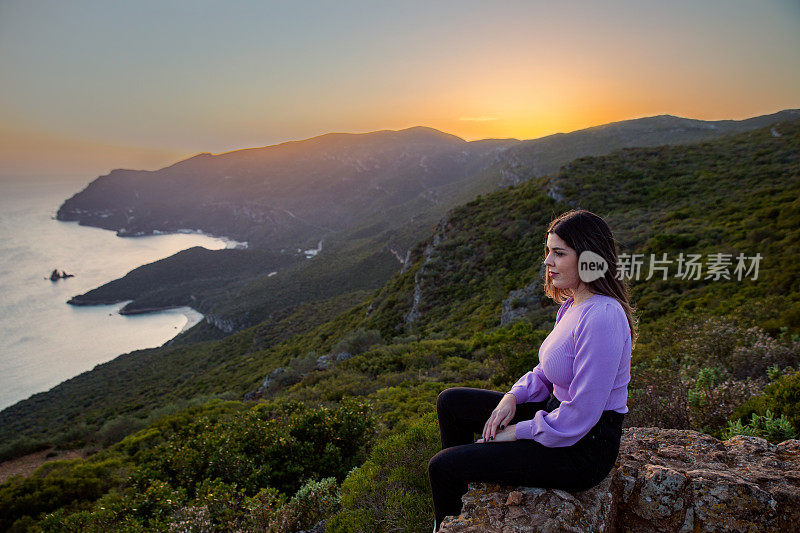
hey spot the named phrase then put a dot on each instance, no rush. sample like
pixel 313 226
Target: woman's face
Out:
pixel 562 263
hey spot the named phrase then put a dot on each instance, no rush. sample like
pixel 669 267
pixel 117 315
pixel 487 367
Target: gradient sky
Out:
pixel 87 86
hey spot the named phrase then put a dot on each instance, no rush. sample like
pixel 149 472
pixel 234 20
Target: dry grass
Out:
pixel 26 464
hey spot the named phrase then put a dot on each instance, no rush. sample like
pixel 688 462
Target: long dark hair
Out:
pixel 583 230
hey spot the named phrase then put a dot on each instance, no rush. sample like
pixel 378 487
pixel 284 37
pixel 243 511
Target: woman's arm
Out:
pixel 532 387
pixel 600 340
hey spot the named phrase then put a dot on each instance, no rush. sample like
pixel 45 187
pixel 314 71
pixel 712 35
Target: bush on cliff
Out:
pixel 781 397
pixel 390 491
pixel 768 427
pixel 211 462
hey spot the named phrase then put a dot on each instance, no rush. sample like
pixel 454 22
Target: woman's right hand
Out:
pixel 501 416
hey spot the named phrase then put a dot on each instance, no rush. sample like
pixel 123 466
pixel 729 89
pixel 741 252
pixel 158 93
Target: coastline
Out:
pixel 190 314
pixel 227 243
pixel 46 342
pixel 230 244
pixel 191 317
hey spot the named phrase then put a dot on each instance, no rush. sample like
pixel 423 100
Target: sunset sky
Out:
pixel 87 86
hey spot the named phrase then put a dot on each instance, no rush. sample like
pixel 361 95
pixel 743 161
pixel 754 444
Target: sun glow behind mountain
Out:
pixel 91 86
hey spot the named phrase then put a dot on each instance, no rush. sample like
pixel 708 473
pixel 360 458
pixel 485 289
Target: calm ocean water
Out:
pixel 44 341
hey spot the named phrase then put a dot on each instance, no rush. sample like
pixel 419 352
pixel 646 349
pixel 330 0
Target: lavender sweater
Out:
pixel 586 363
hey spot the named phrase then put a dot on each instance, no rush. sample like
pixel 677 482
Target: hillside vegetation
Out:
pixel 344 427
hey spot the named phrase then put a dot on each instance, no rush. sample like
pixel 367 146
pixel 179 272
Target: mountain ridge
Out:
pixel 254 184
pixel 378 228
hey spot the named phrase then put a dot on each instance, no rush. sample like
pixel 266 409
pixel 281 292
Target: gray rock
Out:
pixel 324 361
pixel 341 356
pixel 252 396
pixel 520 301
pixel 439 234
pixel 319 527
pixel 271 377
pixel 225 325
pixel 665 480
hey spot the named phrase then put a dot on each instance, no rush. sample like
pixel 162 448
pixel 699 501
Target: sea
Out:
pixel 43 340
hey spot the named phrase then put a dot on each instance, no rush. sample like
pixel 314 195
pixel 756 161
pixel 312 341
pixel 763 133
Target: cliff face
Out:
pixel 664 480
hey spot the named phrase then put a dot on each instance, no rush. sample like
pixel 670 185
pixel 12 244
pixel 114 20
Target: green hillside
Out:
pixel 710 350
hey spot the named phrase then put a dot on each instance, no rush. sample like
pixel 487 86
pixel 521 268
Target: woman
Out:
pixel 560 424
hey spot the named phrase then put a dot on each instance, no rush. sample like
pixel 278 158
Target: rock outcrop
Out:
pixel 520 301
pixel 323 362
pixel 55 275
pixel 664 480
pixel 439 234
pixel 226 325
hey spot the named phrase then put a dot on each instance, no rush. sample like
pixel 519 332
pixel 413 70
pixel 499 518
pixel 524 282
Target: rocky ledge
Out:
pixel 664 480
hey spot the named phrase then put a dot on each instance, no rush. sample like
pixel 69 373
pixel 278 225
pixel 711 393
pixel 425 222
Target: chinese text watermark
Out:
pixel 592 266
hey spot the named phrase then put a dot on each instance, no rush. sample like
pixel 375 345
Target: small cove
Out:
pixel 44 340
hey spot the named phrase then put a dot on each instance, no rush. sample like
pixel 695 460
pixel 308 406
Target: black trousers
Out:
pixel 462 414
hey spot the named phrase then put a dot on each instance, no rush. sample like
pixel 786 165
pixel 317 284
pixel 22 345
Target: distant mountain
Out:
pixel 547 154
pixel 286 195
pixel 295 193
pixel 364 199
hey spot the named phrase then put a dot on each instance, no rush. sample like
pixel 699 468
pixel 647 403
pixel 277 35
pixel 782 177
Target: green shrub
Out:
pixel 118 428
pixel 53 485
pixel 714 395
pixel 218 507
pixel 272 444
pixel 218 504
pixel 204 464
pixel 781 397
pixel 657 397
pixel 313 502
pixel 97 520
pixel 263 509
pixel 390 491
pixel 767 426
pixel 358 341
pixel 515 347
pixel 19 446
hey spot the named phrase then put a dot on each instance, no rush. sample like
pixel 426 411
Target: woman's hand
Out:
pixel 504 435
pixel 501 416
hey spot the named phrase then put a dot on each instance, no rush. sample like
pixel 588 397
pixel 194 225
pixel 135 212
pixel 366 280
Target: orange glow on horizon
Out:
pixel 29 153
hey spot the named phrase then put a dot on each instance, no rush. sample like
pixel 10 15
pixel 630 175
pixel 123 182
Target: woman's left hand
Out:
pixel 504 435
